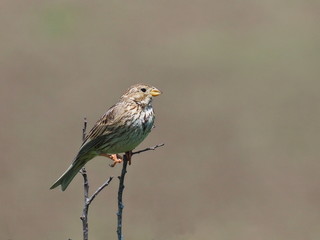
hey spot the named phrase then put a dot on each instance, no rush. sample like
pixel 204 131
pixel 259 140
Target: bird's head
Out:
pixel 141 94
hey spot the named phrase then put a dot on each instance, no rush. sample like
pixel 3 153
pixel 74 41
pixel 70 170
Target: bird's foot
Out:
pixel 116 158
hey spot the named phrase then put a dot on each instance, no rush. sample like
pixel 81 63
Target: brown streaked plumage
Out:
pixel 121 129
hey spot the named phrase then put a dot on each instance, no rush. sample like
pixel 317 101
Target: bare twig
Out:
pixel 84 216
pixel 84 129
pixel 120 192
pixel 126 159
pixel 87 199
pixel 149 149
pixel 106 183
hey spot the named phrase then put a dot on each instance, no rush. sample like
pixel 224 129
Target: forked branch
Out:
pixel 88 200
pixel 126 159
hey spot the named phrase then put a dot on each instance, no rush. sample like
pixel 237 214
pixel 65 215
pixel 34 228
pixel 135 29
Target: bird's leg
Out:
pixel 128 156
pixel 116 158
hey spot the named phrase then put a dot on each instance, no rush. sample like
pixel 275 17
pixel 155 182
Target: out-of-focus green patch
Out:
pixel 59 21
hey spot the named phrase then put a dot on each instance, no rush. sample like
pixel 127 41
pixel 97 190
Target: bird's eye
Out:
pixel 143 89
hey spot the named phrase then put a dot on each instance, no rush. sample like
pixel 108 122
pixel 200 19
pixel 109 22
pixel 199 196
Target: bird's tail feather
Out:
pixel 68 175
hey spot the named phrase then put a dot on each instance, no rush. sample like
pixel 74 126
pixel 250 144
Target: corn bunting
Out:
pixel 121 129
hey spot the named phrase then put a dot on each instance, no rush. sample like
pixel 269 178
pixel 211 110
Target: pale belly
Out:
pixel 134 136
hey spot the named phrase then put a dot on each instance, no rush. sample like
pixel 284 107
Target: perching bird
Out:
pixel 121 129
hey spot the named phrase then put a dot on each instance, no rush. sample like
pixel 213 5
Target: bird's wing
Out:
pixel 103 130
pixel 96 136
pixel 102 125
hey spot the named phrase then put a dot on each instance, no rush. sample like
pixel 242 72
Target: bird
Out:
pixel 120 130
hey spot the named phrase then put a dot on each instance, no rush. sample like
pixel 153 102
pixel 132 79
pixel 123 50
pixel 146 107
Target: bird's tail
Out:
pixel 68 175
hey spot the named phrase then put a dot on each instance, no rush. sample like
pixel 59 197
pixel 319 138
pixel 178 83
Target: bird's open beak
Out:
pixel 155 92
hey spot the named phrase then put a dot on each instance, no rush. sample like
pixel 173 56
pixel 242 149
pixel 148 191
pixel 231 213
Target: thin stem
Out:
pixel 88 200
pixel 120 193
pixel 126 159
pixel 106 183
pixel 84 217
pixel 149 148
pixel 84 134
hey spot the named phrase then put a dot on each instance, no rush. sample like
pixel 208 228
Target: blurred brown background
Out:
pixel 239 116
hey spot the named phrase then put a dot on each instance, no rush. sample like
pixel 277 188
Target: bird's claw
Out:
pixel 116 158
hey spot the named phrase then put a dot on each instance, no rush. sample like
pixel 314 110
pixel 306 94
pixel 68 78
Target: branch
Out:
pixel 88 200
pixel 84 216
pixel 149 149
pixel 120 192
pixel 85 123
pixel 106 183
pixel 127 158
